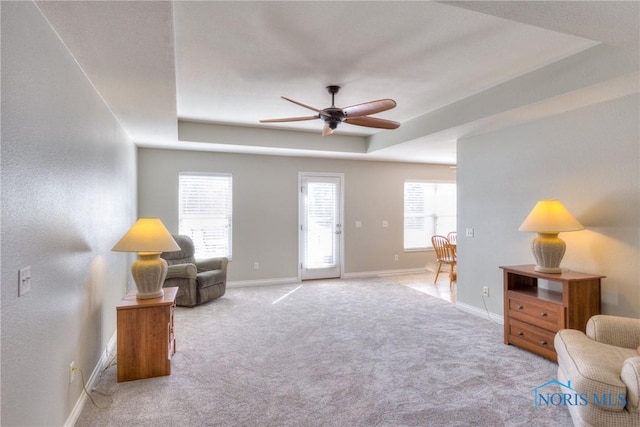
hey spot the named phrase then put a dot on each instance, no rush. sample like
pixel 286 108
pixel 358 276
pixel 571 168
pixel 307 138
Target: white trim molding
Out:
pixel 361 274
pixel 263 282
pixel 293 280
pixel 480 313
pixel 103 363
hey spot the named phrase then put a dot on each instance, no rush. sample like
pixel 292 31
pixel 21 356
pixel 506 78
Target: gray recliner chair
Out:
pixel 197 281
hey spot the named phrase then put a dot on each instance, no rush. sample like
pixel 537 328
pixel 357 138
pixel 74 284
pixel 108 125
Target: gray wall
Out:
pixel 265 210
pixel 68 194
pixel 590 160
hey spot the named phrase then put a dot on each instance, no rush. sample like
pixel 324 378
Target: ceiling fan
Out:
pixel 354 115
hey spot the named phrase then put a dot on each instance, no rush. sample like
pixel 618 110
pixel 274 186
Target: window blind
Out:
pixel 429 209
pixel 205 212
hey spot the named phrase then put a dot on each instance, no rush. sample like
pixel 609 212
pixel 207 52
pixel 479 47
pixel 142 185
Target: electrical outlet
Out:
pixel 395 257
pixel 72 372
pixel 256 265
pixel 485 291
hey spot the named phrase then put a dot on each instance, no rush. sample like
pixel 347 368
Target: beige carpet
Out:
pixel 333 353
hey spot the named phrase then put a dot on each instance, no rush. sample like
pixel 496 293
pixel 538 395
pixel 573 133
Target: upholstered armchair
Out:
pixel 603 366
pixel 197 281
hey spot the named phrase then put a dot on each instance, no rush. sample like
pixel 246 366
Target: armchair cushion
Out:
pixel 212 264
pixel 614 330
pixel 631 378
pixel 209 278
pixel 184 255
pixel 182 271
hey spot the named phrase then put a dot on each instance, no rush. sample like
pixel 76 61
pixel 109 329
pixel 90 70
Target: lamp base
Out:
pixel 149 272
pixel 150 295
pixel 548 249
pixel 552 270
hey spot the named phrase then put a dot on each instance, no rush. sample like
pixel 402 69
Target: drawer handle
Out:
pixel 543 314
pixel 543 342
pixel 520 307
pixel 520 333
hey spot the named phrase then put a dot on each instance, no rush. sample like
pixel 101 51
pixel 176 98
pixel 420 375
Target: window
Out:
pixel 429 209
pixel 321 218
pixel 204 203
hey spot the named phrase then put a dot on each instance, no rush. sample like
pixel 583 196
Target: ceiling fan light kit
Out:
pixel 354 115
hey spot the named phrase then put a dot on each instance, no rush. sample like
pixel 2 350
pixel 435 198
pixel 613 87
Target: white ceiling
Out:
pixel 454 68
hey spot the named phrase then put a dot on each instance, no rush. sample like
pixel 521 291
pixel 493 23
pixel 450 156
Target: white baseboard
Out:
pixel 362 274
pixel 480 313
pixel 292 280
pixel 263 282
pixel 105 359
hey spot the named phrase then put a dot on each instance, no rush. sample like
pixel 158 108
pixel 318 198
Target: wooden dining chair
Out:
pixel 445 254
pixel 452 237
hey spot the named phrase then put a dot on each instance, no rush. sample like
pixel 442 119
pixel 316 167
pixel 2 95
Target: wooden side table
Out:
pixel 146 340
pixel 533 315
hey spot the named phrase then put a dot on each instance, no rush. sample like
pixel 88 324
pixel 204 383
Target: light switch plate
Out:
pixel 24 281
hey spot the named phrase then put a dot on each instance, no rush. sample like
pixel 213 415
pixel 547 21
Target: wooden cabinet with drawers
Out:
pixel 146 340
pixel 533 314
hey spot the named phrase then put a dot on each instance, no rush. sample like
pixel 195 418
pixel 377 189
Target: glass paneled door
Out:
pixel 320 226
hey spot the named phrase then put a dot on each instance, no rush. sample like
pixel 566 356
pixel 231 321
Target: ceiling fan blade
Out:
pixel 322 113
pixel 368 108
pixel 289 119
pixel 326 130
pixel 372 122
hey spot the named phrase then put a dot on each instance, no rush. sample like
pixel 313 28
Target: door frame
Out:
pixel 301 176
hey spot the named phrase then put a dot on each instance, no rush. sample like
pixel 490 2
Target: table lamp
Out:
pixel 548 218
pixel 149 238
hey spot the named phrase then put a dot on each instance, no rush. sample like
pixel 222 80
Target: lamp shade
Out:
pixel 550 216
pixel 147 235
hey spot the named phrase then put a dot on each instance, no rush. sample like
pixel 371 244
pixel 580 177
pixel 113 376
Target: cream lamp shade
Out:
pixel 149 238
pixel 548 218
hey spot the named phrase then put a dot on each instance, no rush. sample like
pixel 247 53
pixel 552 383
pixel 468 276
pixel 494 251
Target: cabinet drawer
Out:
pixel 532 338
pixel 532 310
pixel 532 334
